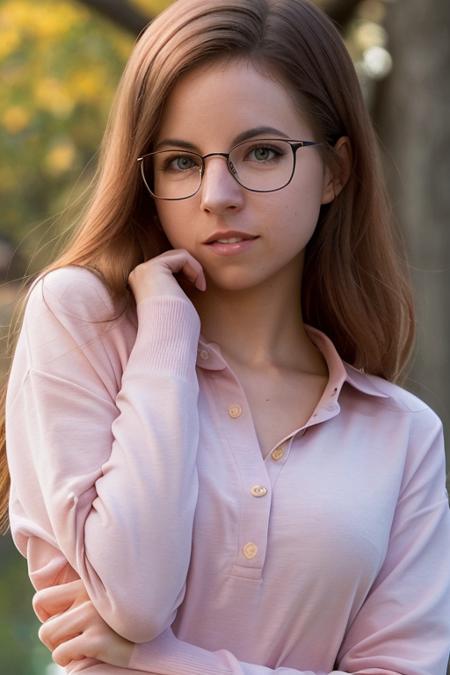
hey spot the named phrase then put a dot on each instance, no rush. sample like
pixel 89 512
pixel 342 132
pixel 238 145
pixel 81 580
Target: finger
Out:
pixel 193 276
pixel 200 282
pixel 64 626
pixel 74 649
pixel 192 269
pixel 55 599
pixel 178 260
pixel 48 639
pixel 169 263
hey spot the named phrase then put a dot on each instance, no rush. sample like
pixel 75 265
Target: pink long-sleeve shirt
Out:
pixel 135 465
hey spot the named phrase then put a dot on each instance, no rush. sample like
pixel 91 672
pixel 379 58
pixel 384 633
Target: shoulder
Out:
pixel 71 291
pixel 399 423
pixel 395 399
pixel 69 309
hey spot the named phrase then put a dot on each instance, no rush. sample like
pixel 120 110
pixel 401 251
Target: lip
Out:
pixel 231 249
pixel 228 234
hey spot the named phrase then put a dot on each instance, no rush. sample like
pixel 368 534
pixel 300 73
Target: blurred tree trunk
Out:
pixel 412 117
pixel 340 11
pixel 121 12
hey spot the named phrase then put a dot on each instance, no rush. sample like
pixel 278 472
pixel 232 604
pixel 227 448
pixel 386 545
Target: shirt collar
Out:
pixel 340 371
pixel 209 357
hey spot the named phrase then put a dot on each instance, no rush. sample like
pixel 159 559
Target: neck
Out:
pixel 260 326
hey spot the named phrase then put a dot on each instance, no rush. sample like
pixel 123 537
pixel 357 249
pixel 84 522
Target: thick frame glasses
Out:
pixel 177 174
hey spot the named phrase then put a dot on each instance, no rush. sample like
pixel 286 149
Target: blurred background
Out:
pixel 60 62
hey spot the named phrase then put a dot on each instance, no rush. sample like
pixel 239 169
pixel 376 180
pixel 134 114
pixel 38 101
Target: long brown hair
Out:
pixel 355 281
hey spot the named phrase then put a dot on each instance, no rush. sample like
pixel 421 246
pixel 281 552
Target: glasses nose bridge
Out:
pixel 217 154
pixel 225 155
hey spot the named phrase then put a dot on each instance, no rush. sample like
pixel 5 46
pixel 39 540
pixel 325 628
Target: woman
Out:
pixel 216 472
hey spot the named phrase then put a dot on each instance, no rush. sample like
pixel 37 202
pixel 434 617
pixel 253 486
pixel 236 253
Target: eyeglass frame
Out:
pixel 294 144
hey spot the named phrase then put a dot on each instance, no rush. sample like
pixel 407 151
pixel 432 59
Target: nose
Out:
pixel 219 190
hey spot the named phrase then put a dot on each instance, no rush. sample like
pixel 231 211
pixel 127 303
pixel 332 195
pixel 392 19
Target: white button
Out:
pixel 277 453
pixel 204 354
pixel 250 550
pixel 258 491
pixel 235 410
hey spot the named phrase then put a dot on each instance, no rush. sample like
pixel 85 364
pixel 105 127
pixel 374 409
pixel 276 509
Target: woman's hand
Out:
pixel 155 277
pixel 73 629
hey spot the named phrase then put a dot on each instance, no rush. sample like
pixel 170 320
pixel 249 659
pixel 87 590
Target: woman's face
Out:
pixel 209 108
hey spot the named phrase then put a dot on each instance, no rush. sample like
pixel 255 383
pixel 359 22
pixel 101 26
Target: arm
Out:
pixel 403 627
pixel 110 482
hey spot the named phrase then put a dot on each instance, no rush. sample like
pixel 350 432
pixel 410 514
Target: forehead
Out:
pixel 227 96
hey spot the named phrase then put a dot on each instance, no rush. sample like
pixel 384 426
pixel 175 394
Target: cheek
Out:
pixel 175 224
pixel 305 216
pixel 299 213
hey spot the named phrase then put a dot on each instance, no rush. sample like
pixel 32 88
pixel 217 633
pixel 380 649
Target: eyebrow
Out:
pixel 243 136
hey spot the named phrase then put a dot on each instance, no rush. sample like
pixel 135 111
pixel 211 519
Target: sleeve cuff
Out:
pixel 169 656
pixel 168 334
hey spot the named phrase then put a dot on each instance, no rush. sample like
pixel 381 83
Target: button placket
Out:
pixel 276 459
pixel 254 507
pixel 253 535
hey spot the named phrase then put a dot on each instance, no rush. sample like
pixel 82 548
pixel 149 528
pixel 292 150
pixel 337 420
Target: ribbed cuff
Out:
pixel 166 655
pixel 168 334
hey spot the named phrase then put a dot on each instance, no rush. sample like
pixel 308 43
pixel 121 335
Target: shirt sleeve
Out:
pixel 116 475
pixel 403 626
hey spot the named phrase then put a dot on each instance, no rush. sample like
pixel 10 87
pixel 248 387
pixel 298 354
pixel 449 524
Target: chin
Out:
pixel 238 281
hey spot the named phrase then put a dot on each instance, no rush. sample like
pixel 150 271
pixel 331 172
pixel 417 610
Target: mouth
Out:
pixel 229 237
pixel 231 240
pixel 232 245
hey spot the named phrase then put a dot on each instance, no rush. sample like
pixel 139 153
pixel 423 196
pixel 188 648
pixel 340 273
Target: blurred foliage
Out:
pixel 59 67
pixel 21 653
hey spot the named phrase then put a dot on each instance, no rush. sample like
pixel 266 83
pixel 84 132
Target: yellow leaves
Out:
pixel 124 45
pixel 85 85
pixel 59 67
pixel 44 20
pixel 15 119
pixel 10 40
pixel 79 86
pixel 60 158
pixel 50 23
pixel 51 95
pixel 15 13
pixel 67 62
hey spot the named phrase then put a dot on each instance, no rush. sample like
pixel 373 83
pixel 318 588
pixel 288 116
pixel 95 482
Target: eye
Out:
pixel 264 153
pixel 180 163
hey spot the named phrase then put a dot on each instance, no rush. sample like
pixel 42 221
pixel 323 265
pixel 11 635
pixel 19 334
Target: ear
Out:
pixel 336 178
